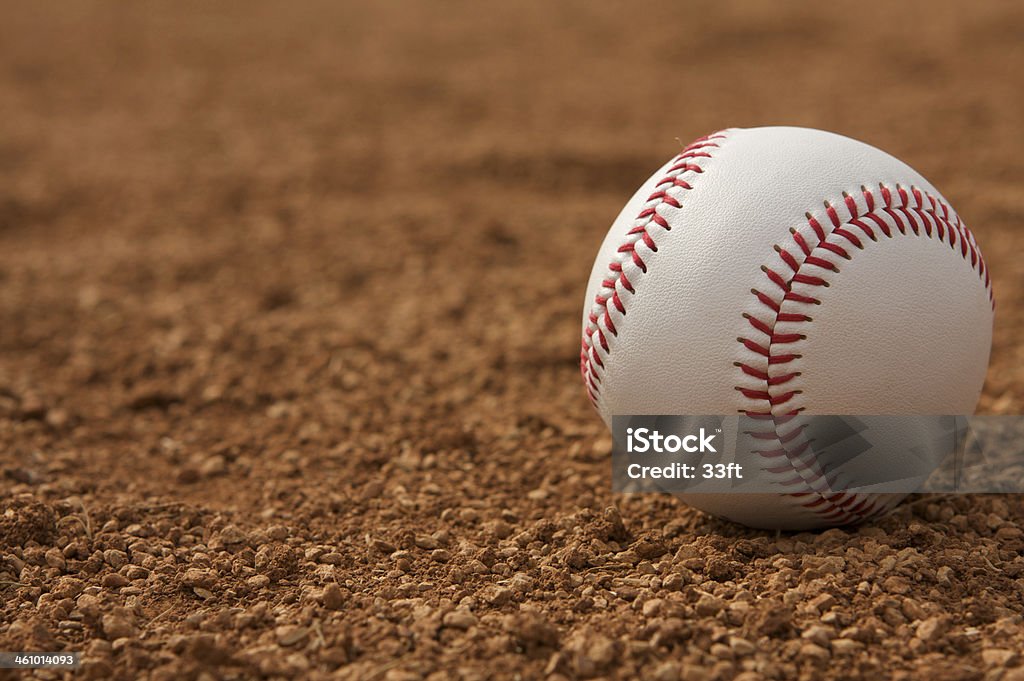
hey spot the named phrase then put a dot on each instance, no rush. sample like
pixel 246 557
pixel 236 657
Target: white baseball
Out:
pixel 787 271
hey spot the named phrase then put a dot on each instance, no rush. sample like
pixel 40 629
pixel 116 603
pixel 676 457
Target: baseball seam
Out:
pixel 617 288
pixel 812 266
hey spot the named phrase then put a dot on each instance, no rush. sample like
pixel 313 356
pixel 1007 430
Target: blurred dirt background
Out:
pixel 289 329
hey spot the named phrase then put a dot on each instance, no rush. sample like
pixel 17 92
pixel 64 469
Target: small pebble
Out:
pixel 115 559
pixel 497 595
pixel 426 542
pixel 818 635
pixel 846 646
pixel 673 582
pixel 814 652
pixel 114 580
pixel 823 602
pixel 932 629
pixel 709 605
pixel 55 559
pixel 459 619
pixel 742 646
pixel 521 582
pixel 117 626
pixel 258 581
pixel 289 634
pixel 232 535
pixel 721 651
pixel 332 597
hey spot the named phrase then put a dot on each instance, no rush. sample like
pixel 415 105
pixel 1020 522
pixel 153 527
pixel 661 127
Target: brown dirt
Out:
pixel 289 306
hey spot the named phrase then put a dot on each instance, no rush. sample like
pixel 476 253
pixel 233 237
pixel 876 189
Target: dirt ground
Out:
pixel 289 331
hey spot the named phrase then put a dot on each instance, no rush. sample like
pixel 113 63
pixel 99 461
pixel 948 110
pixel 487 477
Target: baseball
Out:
pixel 779 272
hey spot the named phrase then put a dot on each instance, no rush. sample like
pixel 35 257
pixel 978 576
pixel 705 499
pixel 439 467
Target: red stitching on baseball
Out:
pixel 688 161
pixel 935 218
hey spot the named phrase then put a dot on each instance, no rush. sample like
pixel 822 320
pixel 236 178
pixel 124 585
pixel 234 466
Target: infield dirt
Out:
pixel 289 331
